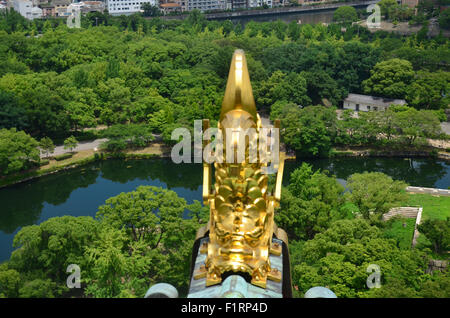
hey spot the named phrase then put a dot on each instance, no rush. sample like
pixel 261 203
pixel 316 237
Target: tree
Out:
pixel 413 124
pixel 390 78
pixel 70 143
pixel 375 193
pixel 438 232
pixel 388 7
pixel 309 131
pixel 345 14
pixel 38 288
pixel 18 151
pixel 444 19
pixel 136 135
pixel 310 202
pixel 290 87
pixel 47 145
pixel 11 114
pixel 428 89
pixel 9 282
pixel 149 10
pixel 321 85
pixel 152 219
pixel 339 258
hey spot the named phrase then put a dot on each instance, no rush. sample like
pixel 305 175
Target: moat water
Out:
pixel 81 190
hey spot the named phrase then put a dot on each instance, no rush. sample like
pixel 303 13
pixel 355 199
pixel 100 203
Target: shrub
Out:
pixel 114 145
pixel 44 162
pixel 63 156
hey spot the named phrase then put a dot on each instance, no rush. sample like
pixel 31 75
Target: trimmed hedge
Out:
pixel 63 156
pixel 44 162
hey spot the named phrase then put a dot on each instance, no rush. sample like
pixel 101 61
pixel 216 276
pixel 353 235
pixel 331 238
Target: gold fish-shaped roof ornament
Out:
pixel 241 227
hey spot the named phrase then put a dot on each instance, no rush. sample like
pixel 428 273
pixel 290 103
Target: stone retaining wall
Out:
pixel 407 212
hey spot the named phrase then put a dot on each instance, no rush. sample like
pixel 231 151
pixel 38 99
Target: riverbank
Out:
pixel 432 152
pixel 160 150
pixel 82 158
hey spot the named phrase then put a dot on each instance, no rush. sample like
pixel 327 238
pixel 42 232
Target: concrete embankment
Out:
pixel 433 191
pixel 272 11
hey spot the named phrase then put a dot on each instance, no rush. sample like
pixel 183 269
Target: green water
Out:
pixel 80 191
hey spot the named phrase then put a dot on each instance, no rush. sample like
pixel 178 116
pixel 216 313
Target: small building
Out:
pixel 48 10
pixel 410 3
pixel 366 103
pixel 26 9
pixel 170 7
pixel 61 7
pixel 93 6
pixel 207 5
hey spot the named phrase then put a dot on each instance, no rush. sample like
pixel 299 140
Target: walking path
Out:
pixel 434 191
pixel 82 145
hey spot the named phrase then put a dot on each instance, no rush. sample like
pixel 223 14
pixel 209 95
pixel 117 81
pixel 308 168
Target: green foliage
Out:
pixel 427 90
pixel 398 127
pixel 309 131
pixel 70 143
pixel 149 10
pixel 388 7
pixel 47 145
pixel 374 193
pixel 390 78
pixel 114 145
pixel 9 281
pixel 153 229
pixel 11 115
pixel 121 136
pixel 18 151
pixel 280 86
pixel 310 203
pixel 63 156
pixel 402 230
pixel 338 258
pixel 434 207
pixel 438 232
pixel 44 162
pixel 140 76
pixel 345 14
pixel 444 19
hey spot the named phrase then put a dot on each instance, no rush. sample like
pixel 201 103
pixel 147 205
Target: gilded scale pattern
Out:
pixel 241 208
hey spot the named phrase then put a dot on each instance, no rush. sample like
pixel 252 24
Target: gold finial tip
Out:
pixel 238 93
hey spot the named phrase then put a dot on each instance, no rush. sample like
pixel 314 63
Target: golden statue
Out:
pixel 241 207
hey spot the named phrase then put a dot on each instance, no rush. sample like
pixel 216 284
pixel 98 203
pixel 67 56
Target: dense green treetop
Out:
pixel 18 151
pixel 345 14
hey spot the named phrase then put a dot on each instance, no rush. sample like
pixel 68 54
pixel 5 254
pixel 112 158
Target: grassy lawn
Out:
pixel 434 207
pixel 75 158
pixel 403 234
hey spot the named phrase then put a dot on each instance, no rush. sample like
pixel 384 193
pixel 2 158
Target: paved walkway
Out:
pixel 435 191
pixel 82 145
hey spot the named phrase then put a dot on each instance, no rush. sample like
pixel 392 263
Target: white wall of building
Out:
pixel 26 9
pixel 118 7
pixel 363 107
pixel 206 5
pixel 23 7
pixel 259 3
